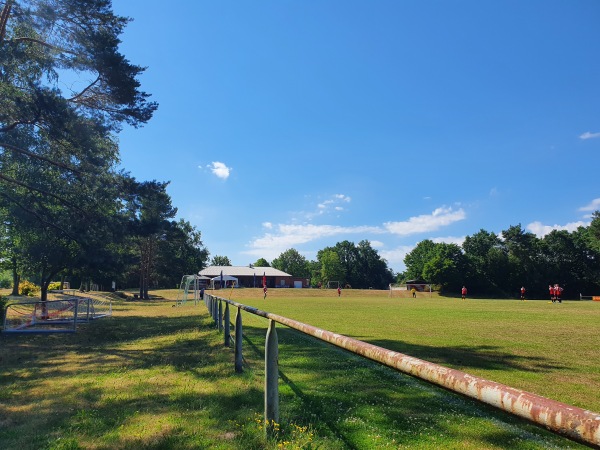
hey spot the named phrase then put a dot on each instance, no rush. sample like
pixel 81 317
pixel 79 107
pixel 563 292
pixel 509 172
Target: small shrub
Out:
pixel 54 286
pixel 28 288
pixel 5 283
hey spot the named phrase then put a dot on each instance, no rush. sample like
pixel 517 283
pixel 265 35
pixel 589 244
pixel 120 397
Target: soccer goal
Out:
pixel 402 290
pixel 595 298
pixel 333 284
pixel 53 316
pixel 188 283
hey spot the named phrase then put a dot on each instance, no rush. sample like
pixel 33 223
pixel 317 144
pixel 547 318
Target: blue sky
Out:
pixel 300 124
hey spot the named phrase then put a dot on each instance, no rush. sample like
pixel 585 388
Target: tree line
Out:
pixel 494 266
pixel 356 266
pixel 498 266
pixel 66 210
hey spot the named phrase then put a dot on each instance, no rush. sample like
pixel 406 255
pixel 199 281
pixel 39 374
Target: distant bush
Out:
pixel 5 279
pixel 28 288
pixel 54 286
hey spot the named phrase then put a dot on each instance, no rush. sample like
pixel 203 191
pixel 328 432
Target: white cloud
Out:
pixel 281 237
pixel 331 204
pixel 588 135
pixel 441 217
pixel 343 198
pixel 289 236
pixel 541 230
pixel 220 169
pixel 593 206
pixel 396 256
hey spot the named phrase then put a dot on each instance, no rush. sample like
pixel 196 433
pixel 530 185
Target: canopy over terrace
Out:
pixel 227 280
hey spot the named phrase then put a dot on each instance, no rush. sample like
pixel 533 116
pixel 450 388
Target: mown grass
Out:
pixel 550 349
pixel 156 376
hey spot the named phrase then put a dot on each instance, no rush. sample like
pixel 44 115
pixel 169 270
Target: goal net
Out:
pixel 189 284
pixel 53 316
pixel 333 284
pixel 404 290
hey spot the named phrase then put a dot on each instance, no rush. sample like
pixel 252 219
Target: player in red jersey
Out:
pixel 557 293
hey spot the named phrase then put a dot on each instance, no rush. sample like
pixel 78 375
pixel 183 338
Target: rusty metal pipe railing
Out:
pixel 570 421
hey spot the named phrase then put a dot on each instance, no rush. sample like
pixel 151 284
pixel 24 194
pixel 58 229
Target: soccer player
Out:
pixel 522 292
pixel 557 293
pixel 339 291
pixel 265 292
pixel 464 292
pixel 551 292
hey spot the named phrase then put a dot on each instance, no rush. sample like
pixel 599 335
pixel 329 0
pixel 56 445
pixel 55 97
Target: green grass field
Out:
pixel 156 376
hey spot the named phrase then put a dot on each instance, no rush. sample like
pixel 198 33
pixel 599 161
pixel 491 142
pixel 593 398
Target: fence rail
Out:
pixel 572 422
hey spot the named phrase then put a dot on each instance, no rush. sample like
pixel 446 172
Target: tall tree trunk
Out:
pixel 16 277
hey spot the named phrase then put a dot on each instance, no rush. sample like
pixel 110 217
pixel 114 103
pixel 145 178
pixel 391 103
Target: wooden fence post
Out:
pixel 238 341
pixel 227 333
pixel 271 380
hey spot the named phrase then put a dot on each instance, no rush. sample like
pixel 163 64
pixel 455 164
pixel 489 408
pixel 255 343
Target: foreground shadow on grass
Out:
pixel 348 397
pixel 99 379
pixel 110 336
pixel 486 357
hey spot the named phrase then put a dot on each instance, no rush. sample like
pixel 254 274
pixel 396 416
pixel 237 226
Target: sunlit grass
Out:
pixel 156 376
pixel 545 348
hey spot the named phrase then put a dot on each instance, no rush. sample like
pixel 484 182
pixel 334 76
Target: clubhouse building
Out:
pixel 251 276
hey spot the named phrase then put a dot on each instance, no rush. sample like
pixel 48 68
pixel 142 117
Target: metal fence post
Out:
pixel 271 380
pixel 227 332
pixel 238 341
pixel 220 316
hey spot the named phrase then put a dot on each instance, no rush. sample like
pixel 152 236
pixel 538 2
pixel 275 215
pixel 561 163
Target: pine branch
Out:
pixel 41 191
pixel 76 97
pixel 42 158
pixel 37 216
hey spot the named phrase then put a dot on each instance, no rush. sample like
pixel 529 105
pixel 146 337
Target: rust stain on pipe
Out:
pixel 570 421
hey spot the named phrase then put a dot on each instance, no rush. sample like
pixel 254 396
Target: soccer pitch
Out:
pixel 549 349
